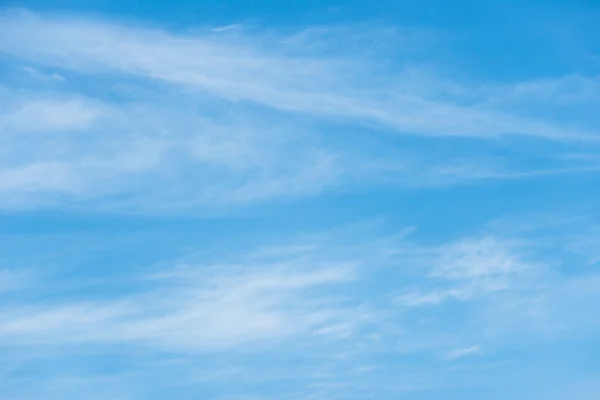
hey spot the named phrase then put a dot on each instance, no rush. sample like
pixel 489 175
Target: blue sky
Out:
pixel 299 200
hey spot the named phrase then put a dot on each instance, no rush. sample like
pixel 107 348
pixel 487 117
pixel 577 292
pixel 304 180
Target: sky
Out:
pixel 308 200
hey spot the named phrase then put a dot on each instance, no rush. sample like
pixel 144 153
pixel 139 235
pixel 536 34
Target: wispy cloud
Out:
pixel 307 291
pixel 195 309
pixel 314 293
pixel 464 352
pixel 147 246
pixel 473 268
pixel 48 115
pixel 145 119
pixel 91 151
pixel 248 69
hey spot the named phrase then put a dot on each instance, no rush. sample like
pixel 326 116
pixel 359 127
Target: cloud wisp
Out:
pixel 250 69
pixel 329 303
pixel 134 118
pixel 312 293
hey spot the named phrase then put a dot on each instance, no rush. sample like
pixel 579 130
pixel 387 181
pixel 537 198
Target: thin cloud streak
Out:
pixel 308 294
pixel 178 122
pixel 240 70
pixel 192 311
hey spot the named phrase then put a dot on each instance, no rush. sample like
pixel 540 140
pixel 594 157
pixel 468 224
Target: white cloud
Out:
pixel 463 352
pixel 154 155
pixel 476 259
pixel 195 309
pixel 146 120
pixel 40 176
pixel 248 68
pixel 472 268
pixel 306 292
pixel 49 115
pixel 323 304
